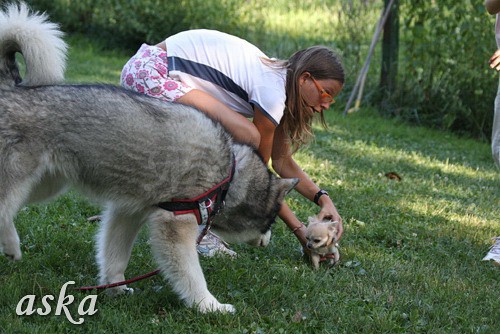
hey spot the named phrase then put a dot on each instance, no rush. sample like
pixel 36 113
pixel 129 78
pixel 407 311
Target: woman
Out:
pixel 493 7
pixel 230 79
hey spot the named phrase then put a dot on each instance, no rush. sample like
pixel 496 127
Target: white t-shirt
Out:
pixel 228 68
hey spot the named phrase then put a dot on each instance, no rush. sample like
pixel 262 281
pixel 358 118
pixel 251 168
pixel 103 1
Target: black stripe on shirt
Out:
pixel 208 73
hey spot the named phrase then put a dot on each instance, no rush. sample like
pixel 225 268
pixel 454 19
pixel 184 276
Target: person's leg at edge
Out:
pixel 495 137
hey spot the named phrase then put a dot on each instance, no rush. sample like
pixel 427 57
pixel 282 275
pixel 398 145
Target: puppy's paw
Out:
pixel 332 263
pixel 315 259
pixel 336 254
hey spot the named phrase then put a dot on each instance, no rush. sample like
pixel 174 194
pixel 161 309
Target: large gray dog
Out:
pixel 130 152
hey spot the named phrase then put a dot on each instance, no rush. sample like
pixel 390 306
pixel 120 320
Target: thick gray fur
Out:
pixel 126 151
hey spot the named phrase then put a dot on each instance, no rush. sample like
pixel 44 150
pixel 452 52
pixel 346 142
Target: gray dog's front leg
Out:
pixel 114 246
pixel 173 241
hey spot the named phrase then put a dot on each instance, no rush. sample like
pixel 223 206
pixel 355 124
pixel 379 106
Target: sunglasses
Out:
pixel 325 97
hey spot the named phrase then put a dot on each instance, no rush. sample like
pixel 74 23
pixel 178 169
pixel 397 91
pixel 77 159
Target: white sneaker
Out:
pixel 494 253
pixel 211 245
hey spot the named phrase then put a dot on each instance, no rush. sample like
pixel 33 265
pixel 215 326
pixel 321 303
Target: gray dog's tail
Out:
pixel 38 40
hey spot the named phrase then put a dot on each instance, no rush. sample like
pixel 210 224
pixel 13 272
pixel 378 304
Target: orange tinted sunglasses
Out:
pixel 325 97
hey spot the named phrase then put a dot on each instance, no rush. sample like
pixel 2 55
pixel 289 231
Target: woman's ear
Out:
pixel 303 77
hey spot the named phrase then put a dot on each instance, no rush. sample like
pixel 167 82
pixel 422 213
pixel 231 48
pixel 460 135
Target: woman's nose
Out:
pixel 325 105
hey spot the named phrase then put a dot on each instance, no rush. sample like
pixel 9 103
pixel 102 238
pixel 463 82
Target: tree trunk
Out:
pixel 390 51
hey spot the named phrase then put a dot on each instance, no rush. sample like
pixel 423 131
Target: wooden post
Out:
pixel 390 51
pixel 360 82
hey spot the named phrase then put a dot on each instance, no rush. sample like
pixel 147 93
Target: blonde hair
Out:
pixel 323 64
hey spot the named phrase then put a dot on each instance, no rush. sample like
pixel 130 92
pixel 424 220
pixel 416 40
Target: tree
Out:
pixel 390 50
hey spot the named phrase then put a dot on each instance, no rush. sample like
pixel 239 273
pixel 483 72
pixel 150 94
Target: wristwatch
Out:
pixel 318 195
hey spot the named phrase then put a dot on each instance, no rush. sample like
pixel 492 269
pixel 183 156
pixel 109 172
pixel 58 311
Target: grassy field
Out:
pixel 411 252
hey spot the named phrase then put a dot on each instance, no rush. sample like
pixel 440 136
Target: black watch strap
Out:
pixel 318 195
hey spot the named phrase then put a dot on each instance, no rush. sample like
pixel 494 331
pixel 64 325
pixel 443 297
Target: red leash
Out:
pixel 107 286
pixel 138 278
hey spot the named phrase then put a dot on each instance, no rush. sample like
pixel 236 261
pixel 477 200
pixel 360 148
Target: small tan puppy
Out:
pixel 322 241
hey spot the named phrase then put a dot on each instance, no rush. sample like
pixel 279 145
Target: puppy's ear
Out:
pixel 312 220
pixel 332 226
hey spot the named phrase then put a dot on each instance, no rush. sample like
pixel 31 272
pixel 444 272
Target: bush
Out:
pixel 443 82
pixel 444 79
pixel 128 23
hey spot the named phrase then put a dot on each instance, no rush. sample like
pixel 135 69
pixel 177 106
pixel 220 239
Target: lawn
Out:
pixel 411 252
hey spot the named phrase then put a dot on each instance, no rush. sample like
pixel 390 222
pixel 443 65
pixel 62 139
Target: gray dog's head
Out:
pixel 252 202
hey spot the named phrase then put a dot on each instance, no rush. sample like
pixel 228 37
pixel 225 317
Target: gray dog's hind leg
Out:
pixel 9 239
pixel 23 177
pixel 12 198
pixel 115 239
pixel 173 241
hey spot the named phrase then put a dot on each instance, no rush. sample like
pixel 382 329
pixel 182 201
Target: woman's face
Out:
pixel 318 94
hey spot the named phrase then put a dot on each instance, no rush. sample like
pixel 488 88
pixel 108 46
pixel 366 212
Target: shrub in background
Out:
pixel 444 80
pixel 443 77
pixel 128 23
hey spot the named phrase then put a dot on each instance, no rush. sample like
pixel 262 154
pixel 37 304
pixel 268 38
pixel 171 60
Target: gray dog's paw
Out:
pixel 227 308
pixel 119 291
pixel 12 254
pixel 218 307
pixel 11 257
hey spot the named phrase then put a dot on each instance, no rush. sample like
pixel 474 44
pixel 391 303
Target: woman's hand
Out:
pixel 329 211
pixel 495 60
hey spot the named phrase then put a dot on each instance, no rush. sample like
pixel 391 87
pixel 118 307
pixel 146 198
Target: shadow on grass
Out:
pixel 447 203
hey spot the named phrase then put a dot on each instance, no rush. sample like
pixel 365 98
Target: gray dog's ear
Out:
pixel 285 186
pixel 289 184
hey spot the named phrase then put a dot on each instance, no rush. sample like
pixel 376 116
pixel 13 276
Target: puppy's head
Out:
pixel 321 233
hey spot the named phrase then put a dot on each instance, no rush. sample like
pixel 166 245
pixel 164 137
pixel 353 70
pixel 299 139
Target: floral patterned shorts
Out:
pixel 147 73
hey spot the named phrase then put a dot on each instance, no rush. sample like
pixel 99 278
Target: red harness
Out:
pixel 204 206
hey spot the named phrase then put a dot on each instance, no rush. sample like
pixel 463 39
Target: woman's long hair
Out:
pixel 323 64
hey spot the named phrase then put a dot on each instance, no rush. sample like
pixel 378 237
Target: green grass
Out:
pixel 411 252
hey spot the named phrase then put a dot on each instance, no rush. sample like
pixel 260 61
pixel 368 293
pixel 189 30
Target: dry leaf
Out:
pixel 393 176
